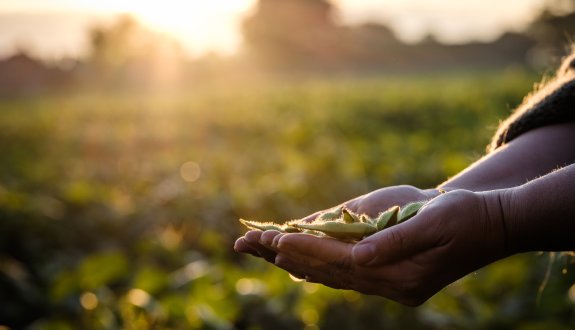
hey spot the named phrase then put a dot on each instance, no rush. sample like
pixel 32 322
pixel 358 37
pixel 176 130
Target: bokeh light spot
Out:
pixel 190 171
pixel 138 297
pixel 89 300
pixel 249 286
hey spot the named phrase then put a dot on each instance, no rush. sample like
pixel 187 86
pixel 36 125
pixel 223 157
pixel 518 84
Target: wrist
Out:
pixel 540 213
pixel 498 209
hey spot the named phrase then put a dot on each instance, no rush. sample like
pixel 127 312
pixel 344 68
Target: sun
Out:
pixel 199 25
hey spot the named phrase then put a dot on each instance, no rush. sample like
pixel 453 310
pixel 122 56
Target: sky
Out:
pixel 57 28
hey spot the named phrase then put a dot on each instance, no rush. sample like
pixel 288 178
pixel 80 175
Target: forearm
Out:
pixel 527 157
pixel 540 215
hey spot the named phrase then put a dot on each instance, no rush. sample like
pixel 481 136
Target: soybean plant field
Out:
pixel 119 210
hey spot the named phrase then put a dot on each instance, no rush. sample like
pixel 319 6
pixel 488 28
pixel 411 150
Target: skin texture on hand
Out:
pixel 453 235
pixel 541 214
pixel 370 204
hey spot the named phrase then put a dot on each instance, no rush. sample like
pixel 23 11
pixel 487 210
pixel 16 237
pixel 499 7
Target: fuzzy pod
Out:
pixel 263 226
pixel 341 230
pixel 349 216
pixel 409 210
pixel 330 215
pixel 387 218
pixel 366 219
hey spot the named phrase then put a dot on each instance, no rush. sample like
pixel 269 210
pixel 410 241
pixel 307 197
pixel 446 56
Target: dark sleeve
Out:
pixel 553 103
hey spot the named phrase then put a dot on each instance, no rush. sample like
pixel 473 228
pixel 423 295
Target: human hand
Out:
pixel 453 235
pixel 371 204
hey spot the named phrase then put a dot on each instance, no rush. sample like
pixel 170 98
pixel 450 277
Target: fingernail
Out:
pixel 363 253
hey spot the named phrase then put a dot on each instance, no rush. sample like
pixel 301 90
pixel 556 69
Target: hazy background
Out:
pixel 134 134
pixel 170 45
pixel 202 27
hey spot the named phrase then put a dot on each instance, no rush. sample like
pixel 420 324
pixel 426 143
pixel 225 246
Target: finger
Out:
pixel 317 271
pixel 267 238
pixel 313 247
pixel 241 246
pixel 252 239
pixel 322 260
pixel 394 243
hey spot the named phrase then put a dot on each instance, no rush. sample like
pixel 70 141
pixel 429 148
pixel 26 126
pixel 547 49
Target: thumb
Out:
pixel 393 243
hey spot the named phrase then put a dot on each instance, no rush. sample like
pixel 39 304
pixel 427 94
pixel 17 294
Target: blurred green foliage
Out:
pixel 119 211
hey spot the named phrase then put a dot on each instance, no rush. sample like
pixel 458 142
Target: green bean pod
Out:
pixel 387 218
pixel 341 223
pixel 349 216
pixel 340 230
pixel 263 226
pixel 329 215
pixel 409 210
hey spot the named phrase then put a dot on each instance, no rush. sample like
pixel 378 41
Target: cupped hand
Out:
pixel 453 235
pixel 257 243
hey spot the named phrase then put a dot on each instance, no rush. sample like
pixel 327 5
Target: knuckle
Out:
pixel 396 238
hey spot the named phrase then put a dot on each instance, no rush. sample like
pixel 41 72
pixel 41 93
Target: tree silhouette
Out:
pixel 293 33
pixel 114 46
pixel 127 54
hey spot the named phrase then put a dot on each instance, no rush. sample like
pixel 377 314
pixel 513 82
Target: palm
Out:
pixel 450 237
pixel 258 243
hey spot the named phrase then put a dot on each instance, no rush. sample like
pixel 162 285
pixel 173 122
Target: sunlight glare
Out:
pixel 211 24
